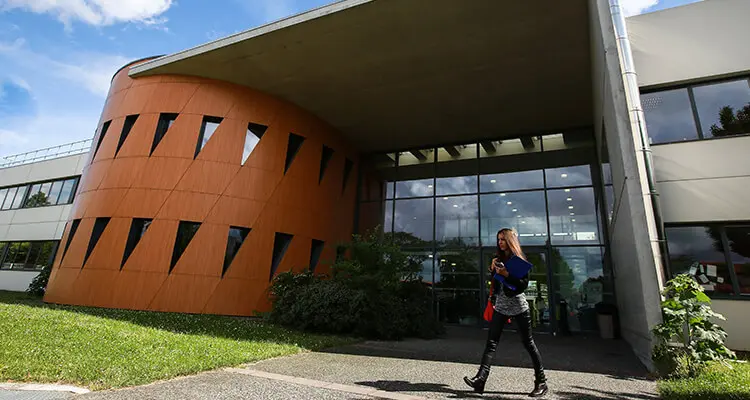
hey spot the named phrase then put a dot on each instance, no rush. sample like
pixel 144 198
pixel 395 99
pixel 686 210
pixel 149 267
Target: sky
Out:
pixel 57 57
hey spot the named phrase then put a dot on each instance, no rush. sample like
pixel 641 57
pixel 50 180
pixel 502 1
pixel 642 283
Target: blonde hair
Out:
pixel 511 238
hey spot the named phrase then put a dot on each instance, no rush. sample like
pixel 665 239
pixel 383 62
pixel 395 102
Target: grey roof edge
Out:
pixel 248 34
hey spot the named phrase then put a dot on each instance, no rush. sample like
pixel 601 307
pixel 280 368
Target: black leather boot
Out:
pixel 478 381
pixel 540 389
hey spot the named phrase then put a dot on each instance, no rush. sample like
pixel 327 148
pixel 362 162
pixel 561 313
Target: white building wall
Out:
pixel 43 223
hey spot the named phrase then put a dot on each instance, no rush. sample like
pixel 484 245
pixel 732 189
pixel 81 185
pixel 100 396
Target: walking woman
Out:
pixel 509 304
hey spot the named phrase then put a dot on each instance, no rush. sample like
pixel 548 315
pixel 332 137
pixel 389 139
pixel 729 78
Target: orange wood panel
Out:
pixel 60 287
pixel 104 202
pixel 154 251
pixel 109 141
pixel 208 177
pixel 226 144
pixel 181 138
pixel 162 173
pixel 140 138
pixel 204 255
pixel 95 287
pixel 111 245
pixel 80 204
pixel 253 260
pixel 236 296
pixel 93 175
pixel 235 211
pixel 187 206
pixel 142 203
pixel 213 99
pixel 135 100
pixel 78 245
pixel 123 172
pixel 254 184
pixel 170 97
pixel 181 79
pixel 184 293
pixel 136 289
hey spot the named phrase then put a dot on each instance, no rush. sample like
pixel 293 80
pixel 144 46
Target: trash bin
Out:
pixel 605 317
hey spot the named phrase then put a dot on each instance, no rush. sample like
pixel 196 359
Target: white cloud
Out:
pixel 95 12
pixel 635 7
pixel 93 71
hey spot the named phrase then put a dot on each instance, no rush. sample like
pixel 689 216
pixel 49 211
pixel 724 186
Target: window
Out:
pixel 739 255
pixel 456 185
pixel 165 122
pixel 415 188
pixel 455 153
pixel 325 157
pixel 237 236
pixel 414 219
pixel 208 127
pixel 293 145
pixel 27 256
pixel 506 147
pixel 126 127
pixel 100 224
pixel 316 249
pixel 105 127
pixel 569 176
pixel 185 233
pixel 348 165
pixel 252 138
pixel 573 216
pixel 137 229
pixel 700 252
pixel 698 111
pixel 280 245
pixel 457 221
pixel 41 194
pixel 511 181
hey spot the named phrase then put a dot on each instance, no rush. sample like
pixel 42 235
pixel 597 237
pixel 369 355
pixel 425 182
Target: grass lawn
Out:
pixel 718 382
pixel 106 348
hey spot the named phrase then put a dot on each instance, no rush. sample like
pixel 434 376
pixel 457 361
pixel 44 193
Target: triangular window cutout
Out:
pixel 280 246
pixel 292 147
pixel 126 127
pixel 208 127
pixel 185 233
pixel 137 229
pixel 165 122
pixel 99 225
pixel 315 251
pixel 252 138
pixel 73 229
pixel 105 127
pixel 324 159
pixel 348 165
pixel 236 237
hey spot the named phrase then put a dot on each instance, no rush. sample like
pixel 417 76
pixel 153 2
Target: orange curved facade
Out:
pixel 277 192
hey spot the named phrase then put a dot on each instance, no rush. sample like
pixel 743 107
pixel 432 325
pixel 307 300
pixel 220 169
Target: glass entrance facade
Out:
pixel 447 204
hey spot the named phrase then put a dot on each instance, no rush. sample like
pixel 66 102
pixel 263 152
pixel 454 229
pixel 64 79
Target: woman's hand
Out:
pixel 502 270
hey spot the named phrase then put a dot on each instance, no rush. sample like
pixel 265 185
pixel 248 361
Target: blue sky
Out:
pixel 58 56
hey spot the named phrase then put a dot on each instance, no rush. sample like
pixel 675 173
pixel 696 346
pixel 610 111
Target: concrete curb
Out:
pixel 43 387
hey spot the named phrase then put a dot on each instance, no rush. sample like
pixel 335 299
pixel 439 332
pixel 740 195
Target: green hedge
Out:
pixel 375 292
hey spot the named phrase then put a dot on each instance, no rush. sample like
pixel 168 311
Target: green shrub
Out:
pixel 376 293
pixel 687 339
pixel 38 285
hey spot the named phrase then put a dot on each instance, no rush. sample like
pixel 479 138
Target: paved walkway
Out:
pixel 577 368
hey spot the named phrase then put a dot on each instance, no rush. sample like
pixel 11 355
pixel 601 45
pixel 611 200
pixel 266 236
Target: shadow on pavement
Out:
pixel 579 353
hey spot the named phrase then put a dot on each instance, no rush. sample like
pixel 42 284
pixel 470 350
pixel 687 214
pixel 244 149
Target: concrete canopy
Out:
pixel 395 74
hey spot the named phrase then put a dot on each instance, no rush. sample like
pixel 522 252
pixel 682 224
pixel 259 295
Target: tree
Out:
pixel 37 200
pixel 731 123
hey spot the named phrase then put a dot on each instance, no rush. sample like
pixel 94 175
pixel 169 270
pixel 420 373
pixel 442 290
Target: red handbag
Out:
pixel 490 308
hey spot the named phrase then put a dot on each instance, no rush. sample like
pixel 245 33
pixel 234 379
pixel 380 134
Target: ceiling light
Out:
pixel 429 186
pixel 515 210
pixel 502 194
pixel 572 213
pixel 430 256
pixel 570 199
pixel 573 220
pixel 415 217
pixel 563 175
pixel 453 264
pixel 567 190
pixel 445 198
pixel 493 181
pixel 523 222
pixel 570 207
pixel 455 205
pixel 510 202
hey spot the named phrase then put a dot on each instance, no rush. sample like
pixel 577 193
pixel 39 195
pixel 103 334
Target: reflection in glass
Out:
pixel 413 218
pixel 669 116
pixel 457 269
pixel 424 259
pixel 511 181
pixel 457 221
pixel 567 140
pixel 572 216
pixel 739 252
pixel 697 251
pixel 579 175
pixel 609 202
pixel 54 194
pixel 525 212
pixel 457 306
pixel 20 195
pixel 3 192
pixel 252 137
pixel 389 188
pixel 456 185
pixel 723 108
pixel 415 188
pixel 388 223
pixel 416 157
pixel 607 174
pixel 495 148
pixel 578 274
pixel 9 198
pixel 66 195
pixel 455 153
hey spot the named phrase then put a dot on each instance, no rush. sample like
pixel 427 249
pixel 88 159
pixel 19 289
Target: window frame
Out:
pixel 28 192
pixel 694 106
pixel 722 227
pixel 5 250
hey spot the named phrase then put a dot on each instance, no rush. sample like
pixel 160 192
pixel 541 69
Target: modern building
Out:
pixel 612 154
